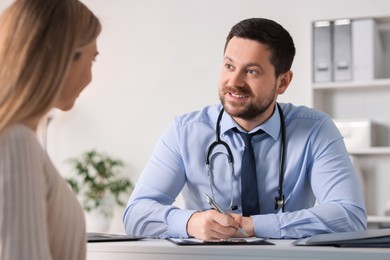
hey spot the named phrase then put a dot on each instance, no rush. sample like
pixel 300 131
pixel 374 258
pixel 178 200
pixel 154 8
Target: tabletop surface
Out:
pixel 283 249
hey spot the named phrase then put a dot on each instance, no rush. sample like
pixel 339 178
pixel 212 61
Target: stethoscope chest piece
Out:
pixel 279 202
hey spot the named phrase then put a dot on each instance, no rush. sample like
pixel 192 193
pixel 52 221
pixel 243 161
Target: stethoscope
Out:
pixel 279 199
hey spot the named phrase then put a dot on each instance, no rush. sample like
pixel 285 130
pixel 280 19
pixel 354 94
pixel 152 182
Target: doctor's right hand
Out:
pixel 211 225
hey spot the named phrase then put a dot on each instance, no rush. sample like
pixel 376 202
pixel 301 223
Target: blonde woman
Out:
pixel 46 52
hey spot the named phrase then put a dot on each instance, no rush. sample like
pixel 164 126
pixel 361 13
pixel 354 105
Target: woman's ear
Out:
pixel 284 81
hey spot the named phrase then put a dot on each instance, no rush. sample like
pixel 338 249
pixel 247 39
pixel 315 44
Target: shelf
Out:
pixel 370 151
pixel 368 98
pixel 383 24
pixel 378 83
pixel 378 219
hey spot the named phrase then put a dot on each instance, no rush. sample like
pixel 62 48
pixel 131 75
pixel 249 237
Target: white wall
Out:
pixel 162 58
pixel 159 59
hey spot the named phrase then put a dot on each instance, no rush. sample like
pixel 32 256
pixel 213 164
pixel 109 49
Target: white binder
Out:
pixel 322 51
pixel 342 50
pixel 367 50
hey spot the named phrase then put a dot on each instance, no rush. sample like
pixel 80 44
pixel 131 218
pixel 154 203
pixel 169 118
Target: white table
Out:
pixel 283 249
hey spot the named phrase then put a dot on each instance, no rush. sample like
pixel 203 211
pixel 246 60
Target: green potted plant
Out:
pixel 97 178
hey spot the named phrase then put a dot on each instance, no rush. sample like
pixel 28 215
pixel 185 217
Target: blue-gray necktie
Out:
pixel 249 189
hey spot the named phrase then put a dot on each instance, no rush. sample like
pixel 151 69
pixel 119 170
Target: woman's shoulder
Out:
pixel 19 140
pixel 17 131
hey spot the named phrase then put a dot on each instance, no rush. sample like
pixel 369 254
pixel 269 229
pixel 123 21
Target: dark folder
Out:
pixel 230 242
pixel 368 238
pixel 105 237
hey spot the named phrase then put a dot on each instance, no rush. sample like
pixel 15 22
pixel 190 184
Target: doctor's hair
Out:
pixel 270 33
pixel 39 39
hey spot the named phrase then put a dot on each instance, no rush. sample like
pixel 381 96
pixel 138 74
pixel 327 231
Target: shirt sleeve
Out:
pixel 339 202
pixel 149 211
pixel 23 222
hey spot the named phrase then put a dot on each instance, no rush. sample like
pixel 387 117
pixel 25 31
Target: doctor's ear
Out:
pixel 284 81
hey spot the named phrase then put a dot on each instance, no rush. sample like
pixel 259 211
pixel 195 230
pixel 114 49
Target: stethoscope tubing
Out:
pixel 279 199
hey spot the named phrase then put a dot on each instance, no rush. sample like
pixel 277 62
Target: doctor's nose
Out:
pixel 236 79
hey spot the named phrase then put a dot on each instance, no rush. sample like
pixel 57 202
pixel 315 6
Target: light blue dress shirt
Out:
pixel 322 191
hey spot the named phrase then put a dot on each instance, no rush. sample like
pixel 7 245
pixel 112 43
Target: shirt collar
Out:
pixel 271 126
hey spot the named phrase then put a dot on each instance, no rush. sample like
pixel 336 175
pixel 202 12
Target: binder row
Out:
pixel 347 50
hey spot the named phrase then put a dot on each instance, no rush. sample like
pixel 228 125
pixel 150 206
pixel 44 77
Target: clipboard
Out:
pixel 105 237
pixel 379 238
pixel 230 242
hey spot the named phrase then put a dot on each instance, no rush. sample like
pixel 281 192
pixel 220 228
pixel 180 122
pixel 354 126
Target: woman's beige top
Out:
pixel 39 216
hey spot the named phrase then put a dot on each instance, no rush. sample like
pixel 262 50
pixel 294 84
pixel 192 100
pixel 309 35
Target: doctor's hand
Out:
pixel 211 224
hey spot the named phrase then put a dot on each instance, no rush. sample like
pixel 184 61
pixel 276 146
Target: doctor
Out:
pixel 311 165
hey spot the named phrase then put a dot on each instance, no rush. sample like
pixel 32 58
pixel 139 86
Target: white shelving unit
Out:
pixel 378 83
pixel 366 100
pixel 379 219
pixel 371 151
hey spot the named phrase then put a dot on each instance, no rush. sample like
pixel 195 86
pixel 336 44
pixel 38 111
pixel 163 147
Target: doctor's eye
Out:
pixel 253 72
pixel 228 66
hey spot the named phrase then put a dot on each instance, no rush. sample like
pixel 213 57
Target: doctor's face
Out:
pixel 248 87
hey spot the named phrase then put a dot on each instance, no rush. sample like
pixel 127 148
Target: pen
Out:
pixel 217 207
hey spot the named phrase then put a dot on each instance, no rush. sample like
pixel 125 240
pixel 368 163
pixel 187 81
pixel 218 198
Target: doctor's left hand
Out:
pixel 211 225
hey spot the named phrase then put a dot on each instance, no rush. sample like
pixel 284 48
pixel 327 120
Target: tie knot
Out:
pixel 248 137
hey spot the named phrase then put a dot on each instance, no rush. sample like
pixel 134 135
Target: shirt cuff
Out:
pixel 267 226
pixel 177 222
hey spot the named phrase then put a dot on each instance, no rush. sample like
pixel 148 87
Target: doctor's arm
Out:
pixel 340 204
pixel 149 211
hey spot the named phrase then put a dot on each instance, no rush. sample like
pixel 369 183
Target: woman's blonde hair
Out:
pixel 38 41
